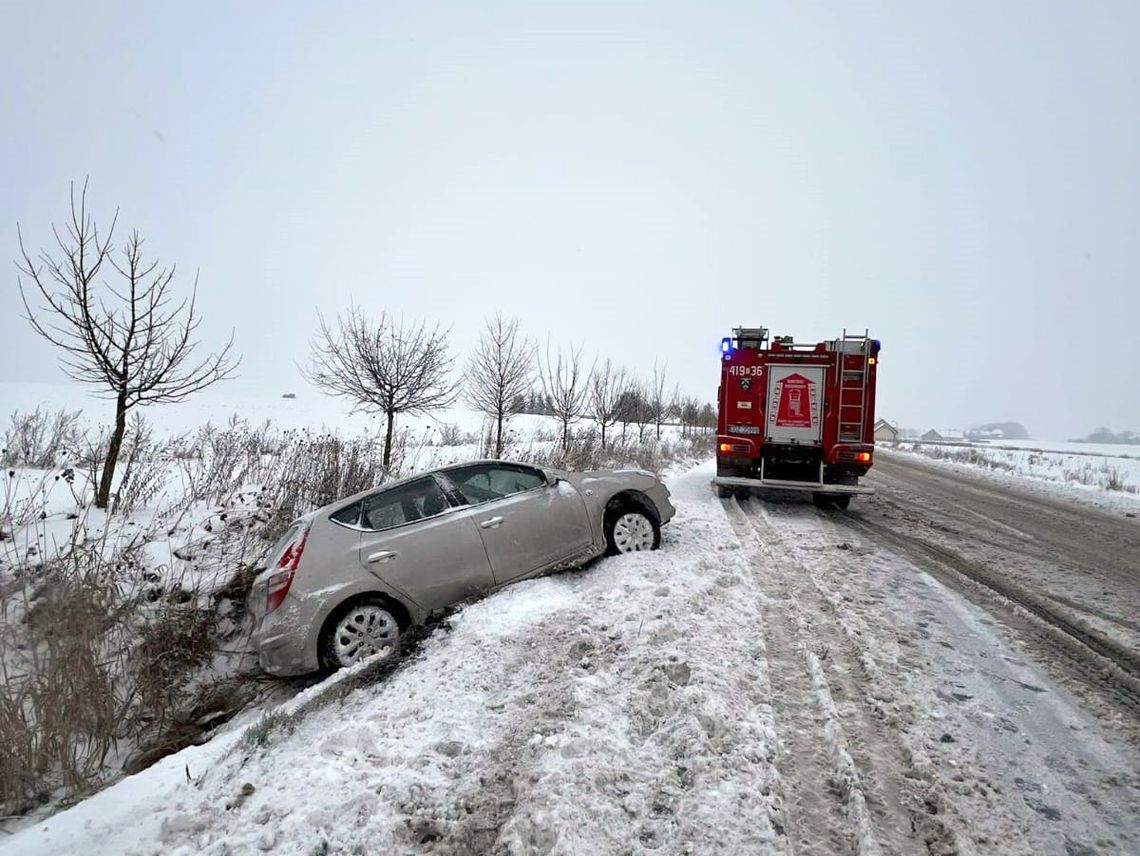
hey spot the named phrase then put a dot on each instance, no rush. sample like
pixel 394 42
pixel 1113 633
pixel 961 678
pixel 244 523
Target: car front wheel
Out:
pixel 631 531
pixel 362 629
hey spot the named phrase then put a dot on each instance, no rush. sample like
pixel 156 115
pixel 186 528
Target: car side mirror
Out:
pixel 552 478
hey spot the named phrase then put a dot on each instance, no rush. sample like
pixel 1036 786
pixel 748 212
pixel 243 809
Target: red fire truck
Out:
pixel 796 416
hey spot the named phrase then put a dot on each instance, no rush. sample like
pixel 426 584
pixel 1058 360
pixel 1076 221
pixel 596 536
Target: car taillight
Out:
pixel 277 586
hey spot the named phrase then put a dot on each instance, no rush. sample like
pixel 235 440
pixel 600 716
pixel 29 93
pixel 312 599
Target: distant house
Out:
pixel 946 435
pixel 885 432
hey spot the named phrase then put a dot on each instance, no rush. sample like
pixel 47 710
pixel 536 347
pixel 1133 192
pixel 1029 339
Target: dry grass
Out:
pixel 967 455
pixel 96 666
pixel 585 452
pixel 41 439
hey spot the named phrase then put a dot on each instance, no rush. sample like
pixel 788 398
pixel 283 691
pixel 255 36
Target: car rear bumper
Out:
pixel 282 649
pixel 279 653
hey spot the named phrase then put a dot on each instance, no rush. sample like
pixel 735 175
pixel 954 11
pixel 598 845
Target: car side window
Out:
pixel 417 500
pixel 487 482
pixel 348 516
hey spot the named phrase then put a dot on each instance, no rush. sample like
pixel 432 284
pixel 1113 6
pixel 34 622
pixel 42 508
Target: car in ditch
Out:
pixel 347 580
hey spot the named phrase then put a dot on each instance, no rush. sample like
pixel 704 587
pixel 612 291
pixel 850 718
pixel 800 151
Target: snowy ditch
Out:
pixel 613 708
pixel 137 619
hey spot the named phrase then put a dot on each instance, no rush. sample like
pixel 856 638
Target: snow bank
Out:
pixel 593 711
pixel 1074 471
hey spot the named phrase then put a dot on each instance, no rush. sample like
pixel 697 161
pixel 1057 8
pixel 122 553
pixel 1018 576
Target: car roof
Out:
pixel 356 497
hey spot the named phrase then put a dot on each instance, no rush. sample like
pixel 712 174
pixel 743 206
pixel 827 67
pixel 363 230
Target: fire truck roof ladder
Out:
pixel 852 381
pixel 750 337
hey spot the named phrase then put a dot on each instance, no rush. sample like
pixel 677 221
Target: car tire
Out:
pixel 630 529
pixel 357 630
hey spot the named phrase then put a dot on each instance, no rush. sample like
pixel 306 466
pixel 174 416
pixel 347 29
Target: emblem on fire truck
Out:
pixel 793 403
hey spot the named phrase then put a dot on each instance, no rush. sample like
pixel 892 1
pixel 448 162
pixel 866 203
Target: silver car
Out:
pixel 347 580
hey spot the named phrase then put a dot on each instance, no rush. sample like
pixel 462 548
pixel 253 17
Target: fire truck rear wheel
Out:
pixel 822 501
pixel 841 502
pixel 723 492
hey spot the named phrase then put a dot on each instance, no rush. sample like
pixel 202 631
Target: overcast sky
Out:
pixel 961 178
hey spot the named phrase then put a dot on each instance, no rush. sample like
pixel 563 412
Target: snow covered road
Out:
pixel 1068 576
pixel 774 680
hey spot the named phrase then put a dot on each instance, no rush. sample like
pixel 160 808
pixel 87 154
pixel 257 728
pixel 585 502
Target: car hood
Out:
pixel 632 478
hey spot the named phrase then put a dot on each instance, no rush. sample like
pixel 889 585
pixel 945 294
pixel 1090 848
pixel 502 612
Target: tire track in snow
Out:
pixel 1099 661
pixel 884 783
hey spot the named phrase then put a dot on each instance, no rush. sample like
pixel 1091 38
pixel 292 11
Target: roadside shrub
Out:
pixel 1112 478
pixel 966 455
pixel 41 439
pixel 584 452
pixel 60 648
pixel 450 435
pixel 98 663
pixel 143 470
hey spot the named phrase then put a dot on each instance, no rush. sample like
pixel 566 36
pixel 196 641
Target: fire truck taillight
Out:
pixel 725 448
pixel 863 457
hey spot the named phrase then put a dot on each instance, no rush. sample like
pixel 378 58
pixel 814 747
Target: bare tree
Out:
pixel 501 373
pixel 133 340
pixel 690 414
pixel 606 388
pixel 657 400
pixel 384 367
pixel 565 386
pixel 636 407
pixel 708 418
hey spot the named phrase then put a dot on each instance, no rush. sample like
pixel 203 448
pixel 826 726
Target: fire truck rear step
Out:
pixel 786 484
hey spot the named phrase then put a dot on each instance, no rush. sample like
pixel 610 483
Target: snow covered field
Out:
pixel 1102 475
pixel 768 682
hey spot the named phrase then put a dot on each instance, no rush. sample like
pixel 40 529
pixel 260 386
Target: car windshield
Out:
pixel 488 482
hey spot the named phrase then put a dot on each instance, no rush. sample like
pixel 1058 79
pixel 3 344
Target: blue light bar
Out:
pixel 725 345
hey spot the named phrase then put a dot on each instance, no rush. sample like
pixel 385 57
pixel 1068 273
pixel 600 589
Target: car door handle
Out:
pixel 383 556
pixel 491 523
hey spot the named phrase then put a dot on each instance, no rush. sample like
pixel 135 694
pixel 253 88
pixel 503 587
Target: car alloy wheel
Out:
pixel 633 532
pixel 363 631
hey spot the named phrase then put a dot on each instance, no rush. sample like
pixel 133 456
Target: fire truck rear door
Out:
pixel 794 407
